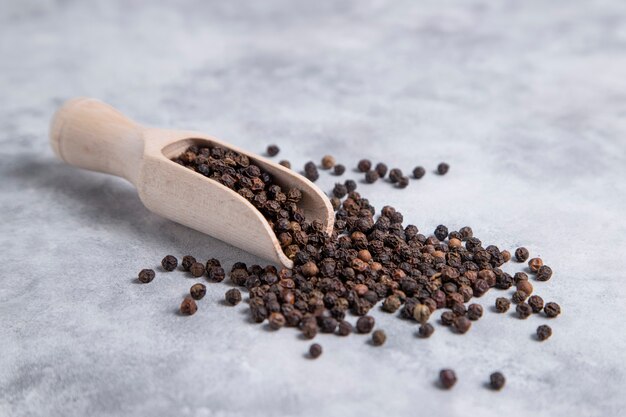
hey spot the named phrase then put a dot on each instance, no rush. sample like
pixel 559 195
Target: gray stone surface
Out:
pixel 525 100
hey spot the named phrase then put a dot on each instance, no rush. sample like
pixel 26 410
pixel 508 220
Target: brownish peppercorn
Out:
pixel 497 381
pixel 216 274
pixel 502 304
pixel 520 276
pixel 340 190
pixel 447 318
pixel 392 304
pixel 447 378
pixel 335 202
pixel 523 310
pixel 188 260
pixel 272 150
pixel 169 263
pixel 443 168
pixel 519 296
pixel 197 269
pixel 339 169
pixel 536 303
pixel 544 332
pixel 364 165
pixel 188 306
pixel 344 328
pixel 276 320
pixel 197 291
pixel 365 324
pixel 455 243
pixel 474 312
pixel 462 324
pixel 378 338
pixel 521 254
pixel 419 172
pixel 526 286
pixel 309 269
pixel 403 182
pixel 552 309
pixel 506 255
pixel 315 351
pixel 146 276
pixel 544 273
pixel 534 264
pixel 425 330
pixel 328 162
pixel 371 177
pixel 233 296
pixel 309 329
pixel 421 313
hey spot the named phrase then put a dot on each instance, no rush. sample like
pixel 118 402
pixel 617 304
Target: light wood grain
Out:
pixel 92 135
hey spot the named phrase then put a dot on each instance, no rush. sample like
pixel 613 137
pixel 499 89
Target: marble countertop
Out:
pixel 525 100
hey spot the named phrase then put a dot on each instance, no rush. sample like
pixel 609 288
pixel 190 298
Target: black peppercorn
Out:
pixel 272 150
pixel 364 165
pixel 197 291
pixel 403 182
pixel 371 177
pixel 441 232
pixel 395 174
pixel 523 310
pixel 378 338
pixel 315 350
pixel 233 296
pixel 365 324
pixel 188 260
pixel 339 169
pixel 521 254
pixel 544 332
pixel 419 172
pixel 146 276
pixel 276 320
pixel 447 318
pixel 536 303
pixel 381 169
pixel 552 309
pixel 519 297
pixel 497 381
pixel 474 312
pixel 443 168
pixel 169 263
pixel 197 269
pixel 544 273
pixel 447 378
pixel 216 274
pixel 350 185
pixel 340 190
pixel 344 328
pixel 462 324
pixel 502 304
pixel 425 330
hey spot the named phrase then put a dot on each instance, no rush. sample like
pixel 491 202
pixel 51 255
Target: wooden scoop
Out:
pixel 90 134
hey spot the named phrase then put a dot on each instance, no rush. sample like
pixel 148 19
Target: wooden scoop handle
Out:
pixel 90 134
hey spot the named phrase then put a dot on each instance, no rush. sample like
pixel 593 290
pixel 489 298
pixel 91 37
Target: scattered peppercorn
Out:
pixel 523 310
pixel 544 273
pixel 146 276
pixel 365 324
pixel 544 332
pixel 364 165
pixel 339 169
pixel 425 330
pixel 534 264
pixel 216 274
pixel 419 172
pixel 392 304
pixel 233 296
pixel 188 306
pixel 272 150
pixel 552 309
pixel 421 313
pixel 443 168
pixel 350 185
pixel 497 381
pixel 395 174
pixel 536 303
pixel 521 254
pixel 403 182
pixel 462 324
pixel 328 162
pixel 188 260
pixel 371 177
pixel 340 190
pixel 525 285
pixel 169 263
pixel 310 171
pixel 315 350
pixel 344 328
pixel 519 297
pixel 378 338
pixel 197 269
pixel 381 169
pixel 447 378
pixel 276 320
pixel 441 232
pixel 447 318
pixel 506 255
pixel 197 291
pixel 502 304
pixel 474 312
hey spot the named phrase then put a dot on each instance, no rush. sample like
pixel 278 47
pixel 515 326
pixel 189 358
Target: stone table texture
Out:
pixel 525 100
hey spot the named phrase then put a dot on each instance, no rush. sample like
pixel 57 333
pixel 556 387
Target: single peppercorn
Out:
pixel 188 306
pixel 447 318
pixel 497 381
pixel 519 296
pixel 285 163
pixel 309 269
pixel 443 168
pixel 197 269
pixel 506 255
pixel 328 162
pixel 340 190
pixel 544 332
pixel 378 338
pixel 315 350
pixel 536 303
pixel 520 276
pixel 544 273
pixel 188 260
pixel 421 313
pixel 350 185
pixel 339 169
pixel 441 232
pixel 502 304
pixel 272 150
pixel 525 285
pixel 466 233
pixel 335 202
pixel 233 296
pixel 395 174
pixel 523 310
pixel 418 172
pixel 474 312
pixel 344 328
pixel 392 304
pixel 425 330
pixel 197 291
pixel 521 254
pixel 462 324
pixel 534 264
pixel 169 263
pixel 364 165
pixel 447 378
pixel 552 309
pixel 276 320
pixel 371 177
pixel 381 169
pixel 365 324
pixel 403 182
pixel 146 275
pixel 216 274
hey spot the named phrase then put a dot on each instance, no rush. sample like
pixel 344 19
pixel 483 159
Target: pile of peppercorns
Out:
pixel 364 261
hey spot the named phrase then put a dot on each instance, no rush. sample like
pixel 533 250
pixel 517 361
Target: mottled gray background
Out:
pixel 525 100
